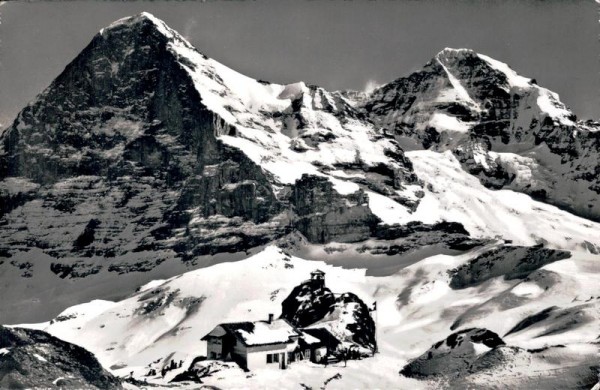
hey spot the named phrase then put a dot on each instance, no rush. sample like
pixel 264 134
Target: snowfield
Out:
pixel 416 307
pixel 455 195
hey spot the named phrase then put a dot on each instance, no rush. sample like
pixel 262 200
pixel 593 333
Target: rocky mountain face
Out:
pixel 511 262
pixel 345 315
pixel 143 143
pixel 144 146
pixel 120 140
pixel 34 359
pixel 503 128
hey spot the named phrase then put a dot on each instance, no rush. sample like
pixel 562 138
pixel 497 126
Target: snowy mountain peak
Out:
pixel 139 19
pixel 449 52
pixel 468 64
pixel 145 24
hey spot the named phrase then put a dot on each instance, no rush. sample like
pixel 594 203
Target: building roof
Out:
pixel 317 271
pixel 257 333
pixel 310 340
pixel 324 336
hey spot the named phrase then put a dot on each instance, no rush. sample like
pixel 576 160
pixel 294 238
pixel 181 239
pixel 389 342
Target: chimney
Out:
pixel 270 317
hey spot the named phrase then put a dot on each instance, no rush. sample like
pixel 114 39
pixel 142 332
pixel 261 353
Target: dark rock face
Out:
pixel 109 92
pixel 87 237
pixel 388 232
pixel 453 355
pixel 307 304
pixel 324 215
pixel 127 113
pixel 514 262
pixel 311 302
pixel 556 320
pixel 37 360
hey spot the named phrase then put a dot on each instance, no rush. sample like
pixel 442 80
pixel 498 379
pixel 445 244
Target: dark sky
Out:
pixel 335 44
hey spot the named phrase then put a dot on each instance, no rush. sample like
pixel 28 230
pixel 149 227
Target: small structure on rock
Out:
pixel 317 278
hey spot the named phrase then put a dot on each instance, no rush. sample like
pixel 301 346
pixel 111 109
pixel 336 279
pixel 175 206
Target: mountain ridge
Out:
pixel 151 193
pixel 145 154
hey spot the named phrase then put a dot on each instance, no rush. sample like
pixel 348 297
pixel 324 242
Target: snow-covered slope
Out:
pixel 282 128
pixel 415 307
pixel 454 195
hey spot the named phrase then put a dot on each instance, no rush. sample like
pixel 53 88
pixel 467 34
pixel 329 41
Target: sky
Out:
pixel 334 44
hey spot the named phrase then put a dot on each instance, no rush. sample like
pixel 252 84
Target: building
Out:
pixel 317 278
pixel 326 345
pixel 260 344
pixel 270 343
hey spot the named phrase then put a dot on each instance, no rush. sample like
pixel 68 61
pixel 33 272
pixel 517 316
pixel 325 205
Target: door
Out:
pixel 282 364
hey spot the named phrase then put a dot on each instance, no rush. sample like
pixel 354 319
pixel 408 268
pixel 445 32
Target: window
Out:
pixel 276 357
pixel 269 358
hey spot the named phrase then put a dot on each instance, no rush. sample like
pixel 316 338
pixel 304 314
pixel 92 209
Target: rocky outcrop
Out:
pixel 555 320
pixel 307 303
pixel 346 316
pixel 470 357
pixel 351 318
pixel 459 352
pixel 512 262
pixel 34 359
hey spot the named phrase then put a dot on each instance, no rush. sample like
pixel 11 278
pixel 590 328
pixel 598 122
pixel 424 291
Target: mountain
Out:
pixel 143 150
pixel 34 359
pixel 144 158
pixel 502 127
pixel 151 193
pixel 140 109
